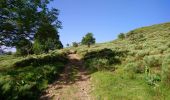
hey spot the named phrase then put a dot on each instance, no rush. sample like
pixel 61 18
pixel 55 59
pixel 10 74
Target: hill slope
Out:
pixel 143 67
pixel 136 67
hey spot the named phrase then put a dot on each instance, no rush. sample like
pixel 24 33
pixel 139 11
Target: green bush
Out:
pixel 98 64
pixel 75 44
pixel 102 59
pixel 27 83
pixel 121 36
pixel 138 47
pixel 24 47
pixel 141 54
pixel 134 67
pixel 166 71
pixel 41 60
pixel 151 78
pixel 153 61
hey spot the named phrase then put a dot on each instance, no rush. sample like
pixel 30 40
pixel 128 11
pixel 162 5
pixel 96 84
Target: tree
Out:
pixel 46 39
pixel 21 19
pixel 88 39
pixel 24 47
pixel 18 20
pixel 121 36
pixel 75 44
pixel 67 45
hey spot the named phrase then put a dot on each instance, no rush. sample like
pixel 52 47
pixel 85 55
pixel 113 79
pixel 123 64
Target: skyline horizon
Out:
pixel 107 18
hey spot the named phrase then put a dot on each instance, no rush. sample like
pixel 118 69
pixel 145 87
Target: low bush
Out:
pixel 153 61
pixel 166 71
pixel 135 67
pixel 121 36
pixel 98 64
pixel 151 78
pixel 41 60
pixel 162 48
pixel 141 54
pixel 27 83
pixel 75 44
pixel 102 59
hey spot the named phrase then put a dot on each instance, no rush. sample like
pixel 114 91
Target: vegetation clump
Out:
pixel 121 36
pixel 88 39
pixel 30 77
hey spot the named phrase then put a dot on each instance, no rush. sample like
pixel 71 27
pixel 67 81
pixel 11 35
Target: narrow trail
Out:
pixel 73 84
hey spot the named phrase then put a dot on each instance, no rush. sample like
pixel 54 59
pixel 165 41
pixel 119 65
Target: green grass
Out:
pixel 111 85
pixel 144 47
pixel 25 78
pixel 27 82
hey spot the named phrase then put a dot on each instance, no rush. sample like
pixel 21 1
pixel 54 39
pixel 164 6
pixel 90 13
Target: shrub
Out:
pixel 134 67
pixel 41 60
pixel 75 44
pixel 121 36
pixel 97 64
pixel 102 59
pixel 153 61
pixel 24 47
pixel 138 47
pixel 151 78
pixel 27 83
pixel 166 71
pixel 8 53
pixel 162 48
pixel 141 54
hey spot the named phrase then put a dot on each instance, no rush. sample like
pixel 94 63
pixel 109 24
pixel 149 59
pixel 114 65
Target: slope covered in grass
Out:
pixel 26 77
pixel 144 58
pixel 136 67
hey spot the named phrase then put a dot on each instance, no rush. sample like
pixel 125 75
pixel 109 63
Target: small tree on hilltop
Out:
pixel 88 39
pixel 75 44
pixel 67 45
pixel 121 36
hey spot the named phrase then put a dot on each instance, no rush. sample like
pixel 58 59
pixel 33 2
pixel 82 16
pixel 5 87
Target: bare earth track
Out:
pixel 73 84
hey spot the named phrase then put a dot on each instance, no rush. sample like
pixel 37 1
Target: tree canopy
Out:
pixel 21 19
pixel 88 39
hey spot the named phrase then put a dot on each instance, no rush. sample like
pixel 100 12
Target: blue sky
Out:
pixel 107 18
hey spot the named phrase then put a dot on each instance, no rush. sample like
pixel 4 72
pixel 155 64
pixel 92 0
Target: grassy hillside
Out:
pixel 136 67
pixel 143 69
pixel 26 77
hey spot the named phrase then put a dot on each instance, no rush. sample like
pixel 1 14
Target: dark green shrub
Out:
pixel 41 60
pixel 24 47
pixel 98 64
pixel 8 53
pixel 75 44
pixel 121 36
pixel 102 59
pixel 27 83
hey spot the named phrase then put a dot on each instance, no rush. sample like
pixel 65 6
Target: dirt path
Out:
pixel 74 83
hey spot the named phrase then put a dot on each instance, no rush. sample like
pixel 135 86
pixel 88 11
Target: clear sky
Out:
pixel 107 18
